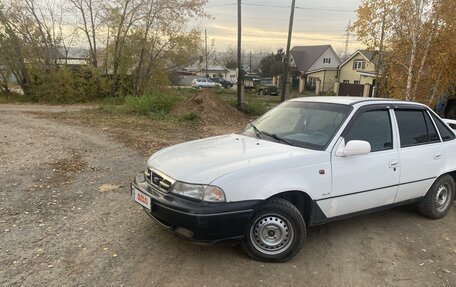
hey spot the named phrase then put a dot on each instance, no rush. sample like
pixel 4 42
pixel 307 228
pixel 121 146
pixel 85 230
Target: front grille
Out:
pixel 158 180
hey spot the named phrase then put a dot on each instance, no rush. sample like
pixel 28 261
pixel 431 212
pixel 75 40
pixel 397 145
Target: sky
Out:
pixel 265 23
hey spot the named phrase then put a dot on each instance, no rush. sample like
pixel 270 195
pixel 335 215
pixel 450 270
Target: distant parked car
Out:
pixel 266 87
pixel 226 84
pixel 200 83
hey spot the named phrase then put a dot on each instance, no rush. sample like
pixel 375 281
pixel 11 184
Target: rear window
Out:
pixel 444 131
pixel 414 129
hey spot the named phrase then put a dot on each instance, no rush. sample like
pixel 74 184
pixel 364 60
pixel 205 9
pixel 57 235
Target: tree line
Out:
pixel 417 44
pixel 130 45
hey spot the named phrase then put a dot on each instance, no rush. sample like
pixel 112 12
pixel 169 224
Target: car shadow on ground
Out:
pixel 383 221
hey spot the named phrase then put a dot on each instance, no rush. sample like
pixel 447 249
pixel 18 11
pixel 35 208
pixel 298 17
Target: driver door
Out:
pixel 367 181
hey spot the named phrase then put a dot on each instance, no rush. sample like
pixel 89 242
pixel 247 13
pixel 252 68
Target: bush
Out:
pixel 68 85
pixel 329 93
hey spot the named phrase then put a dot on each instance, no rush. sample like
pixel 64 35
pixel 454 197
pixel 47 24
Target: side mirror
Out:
pixel 354 147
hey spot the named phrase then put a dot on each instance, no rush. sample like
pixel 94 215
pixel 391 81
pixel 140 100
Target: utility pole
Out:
pixel 205 41
pixel 240 79
pixel 250 62
pixel 347 40
pixel 285 80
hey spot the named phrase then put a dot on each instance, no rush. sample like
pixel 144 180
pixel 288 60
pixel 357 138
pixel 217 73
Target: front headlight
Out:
pixel 202 192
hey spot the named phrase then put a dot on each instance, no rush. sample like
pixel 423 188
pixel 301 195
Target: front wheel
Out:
pixel 276 232
pixel 437 202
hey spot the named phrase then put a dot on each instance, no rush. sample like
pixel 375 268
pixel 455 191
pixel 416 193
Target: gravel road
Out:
pixel 66 219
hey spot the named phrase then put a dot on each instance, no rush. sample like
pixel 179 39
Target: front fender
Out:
pixel 266 180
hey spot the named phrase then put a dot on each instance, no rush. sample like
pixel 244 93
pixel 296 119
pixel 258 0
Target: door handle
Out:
pixel 394 164
pixel 437 156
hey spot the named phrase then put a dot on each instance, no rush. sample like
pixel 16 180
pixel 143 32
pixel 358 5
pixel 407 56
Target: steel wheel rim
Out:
pixel 442 198
pixel 271 234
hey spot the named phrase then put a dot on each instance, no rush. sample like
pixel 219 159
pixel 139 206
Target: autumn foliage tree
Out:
pixel 416 44
pixel 131 45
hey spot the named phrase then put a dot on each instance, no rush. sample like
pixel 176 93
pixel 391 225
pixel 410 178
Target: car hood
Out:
pixel 203 161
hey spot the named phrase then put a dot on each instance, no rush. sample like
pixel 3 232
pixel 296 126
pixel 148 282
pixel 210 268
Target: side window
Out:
pixel 373 127
pixel 444 131
pixel 433 135
pixel 413 129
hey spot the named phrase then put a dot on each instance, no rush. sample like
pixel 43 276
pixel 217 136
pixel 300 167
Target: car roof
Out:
pixel 352 101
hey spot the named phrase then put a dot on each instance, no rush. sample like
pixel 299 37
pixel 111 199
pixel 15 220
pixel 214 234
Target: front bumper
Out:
pixel 194 220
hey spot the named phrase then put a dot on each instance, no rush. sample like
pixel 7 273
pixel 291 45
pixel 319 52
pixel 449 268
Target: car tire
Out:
pixel 438 200
pixel 200 87
pixel 276 232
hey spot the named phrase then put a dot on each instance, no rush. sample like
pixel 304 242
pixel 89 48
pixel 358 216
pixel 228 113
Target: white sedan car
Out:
pixel 306 162
pixel 201 83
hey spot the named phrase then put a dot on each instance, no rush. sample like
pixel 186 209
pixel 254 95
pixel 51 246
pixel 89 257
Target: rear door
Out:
pixel 366 181
pixel 421 152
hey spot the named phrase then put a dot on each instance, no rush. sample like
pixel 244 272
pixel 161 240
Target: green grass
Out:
pixel 253 107
pixel 114 101
pixel 184 91
pixel 224 92
pixel 256 107
pixel 11 98
pixel 156 105
pixel 189 117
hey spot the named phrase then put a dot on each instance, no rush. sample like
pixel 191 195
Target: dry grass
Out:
pixel 142 133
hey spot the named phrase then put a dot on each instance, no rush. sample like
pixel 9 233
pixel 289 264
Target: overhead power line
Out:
pixel 285 7
pixel 301 8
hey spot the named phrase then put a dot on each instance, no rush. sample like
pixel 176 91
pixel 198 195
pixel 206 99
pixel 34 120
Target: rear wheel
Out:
pixel 276 232
pixel 437 202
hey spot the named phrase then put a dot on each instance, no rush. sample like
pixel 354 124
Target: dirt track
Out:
pixel 59 228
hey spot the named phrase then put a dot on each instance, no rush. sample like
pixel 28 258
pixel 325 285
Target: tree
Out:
pixel 90 23
pixel 144 40
pixel 12 46
pixel 148 36
pixel 375 19
pixel 409 32
pixel 272 64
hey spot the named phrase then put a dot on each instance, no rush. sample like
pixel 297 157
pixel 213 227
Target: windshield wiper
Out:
pixel 256 130
pixel 276 137
pixel 258 134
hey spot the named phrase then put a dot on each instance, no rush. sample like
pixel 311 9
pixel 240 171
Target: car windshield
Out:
pixel 266 82
pixel 304 124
